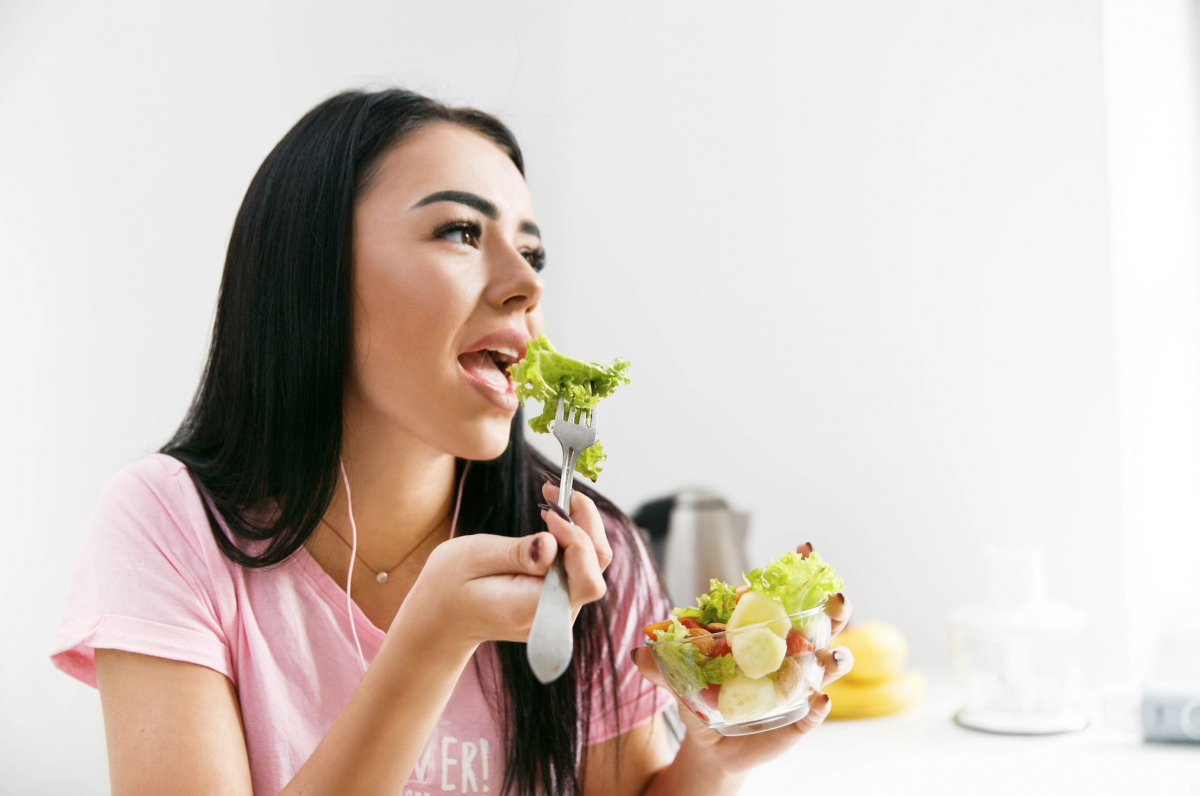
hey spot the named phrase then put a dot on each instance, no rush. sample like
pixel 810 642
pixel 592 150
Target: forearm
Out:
pixel 376 740
pixel 694 770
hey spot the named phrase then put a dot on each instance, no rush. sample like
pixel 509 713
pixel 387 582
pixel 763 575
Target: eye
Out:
pixel 535 257
pixel 462 232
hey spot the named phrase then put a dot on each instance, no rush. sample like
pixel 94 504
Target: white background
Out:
pixel 900 279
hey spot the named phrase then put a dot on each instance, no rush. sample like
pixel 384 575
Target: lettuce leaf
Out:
pixel 798 583
pixel 676 632
pixel 685 666
pixel 680 662
pixel 716 606
pixel 589 460
pixel 544 374
pixel 717 670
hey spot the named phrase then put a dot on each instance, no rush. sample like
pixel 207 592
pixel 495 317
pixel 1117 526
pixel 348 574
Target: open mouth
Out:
pixel 490 366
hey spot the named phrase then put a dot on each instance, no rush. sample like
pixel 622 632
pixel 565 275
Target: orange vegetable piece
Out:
pixel 650 630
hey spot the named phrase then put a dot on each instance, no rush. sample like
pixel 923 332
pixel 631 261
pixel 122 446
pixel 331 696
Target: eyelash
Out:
pixel 536 258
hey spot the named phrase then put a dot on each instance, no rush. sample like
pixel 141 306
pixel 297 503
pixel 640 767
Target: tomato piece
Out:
pixel 797 645
pixel 721 647
pixel 710 695
pixel 689 623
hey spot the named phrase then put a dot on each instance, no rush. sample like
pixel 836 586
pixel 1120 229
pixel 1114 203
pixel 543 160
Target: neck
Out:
pixel 401 488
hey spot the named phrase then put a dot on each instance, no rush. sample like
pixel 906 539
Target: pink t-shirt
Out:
pixel 151 579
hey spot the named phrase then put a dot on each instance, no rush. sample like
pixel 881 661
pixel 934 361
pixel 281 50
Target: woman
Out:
pixel 322 583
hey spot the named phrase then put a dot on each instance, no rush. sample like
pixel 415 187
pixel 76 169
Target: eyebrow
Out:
pixel 477 202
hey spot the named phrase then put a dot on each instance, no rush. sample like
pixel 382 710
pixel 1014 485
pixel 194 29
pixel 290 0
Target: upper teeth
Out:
pixel 507 353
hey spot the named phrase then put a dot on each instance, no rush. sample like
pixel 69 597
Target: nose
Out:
pixel 514 284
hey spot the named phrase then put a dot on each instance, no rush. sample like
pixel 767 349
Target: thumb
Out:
pixel 643 658
pixel 489 554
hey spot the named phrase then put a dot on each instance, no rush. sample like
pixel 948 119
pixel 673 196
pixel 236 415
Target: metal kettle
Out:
pixel 694 536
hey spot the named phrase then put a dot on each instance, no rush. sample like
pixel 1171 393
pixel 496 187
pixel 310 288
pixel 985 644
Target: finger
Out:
pixel 837 662
pixel 838 608
pixel 818 709
pixel 585 581
pixel 484 554
pixel 585 514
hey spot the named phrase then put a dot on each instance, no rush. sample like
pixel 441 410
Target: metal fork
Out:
pixel 550 640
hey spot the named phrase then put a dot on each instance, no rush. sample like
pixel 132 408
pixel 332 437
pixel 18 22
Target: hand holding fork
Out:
pixel 550 640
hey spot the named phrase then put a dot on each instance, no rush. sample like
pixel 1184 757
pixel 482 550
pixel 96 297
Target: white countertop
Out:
pixel 922 751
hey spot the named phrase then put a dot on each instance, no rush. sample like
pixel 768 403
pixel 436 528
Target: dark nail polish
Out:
pixel 824 699
pixel 838 599
pixel 536 549
pixel 554 507
pixel 552 478
pixel 633 655
pixel 839 658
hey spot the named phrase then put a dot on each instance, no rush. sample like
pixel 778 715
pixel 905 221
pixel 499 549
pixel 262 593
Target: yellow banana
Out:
pixel 860 700
pixel 879 650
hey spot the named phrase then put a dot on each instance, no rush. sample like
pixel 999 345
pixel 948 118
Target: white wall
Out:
pixel 857 253
pixel 1153 89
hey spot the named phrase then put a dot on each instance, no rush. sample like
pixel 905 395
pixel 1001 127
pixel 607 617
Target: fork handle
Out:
pixel 558 571
pixel 551 644
pixel 567 481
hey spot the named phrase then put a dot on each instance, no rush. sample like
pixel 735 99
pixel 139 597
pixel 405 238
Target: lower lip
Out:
pixel 506 400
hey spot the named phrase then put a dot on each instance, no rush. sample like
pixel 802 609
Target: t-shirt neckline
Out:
pixel 335 595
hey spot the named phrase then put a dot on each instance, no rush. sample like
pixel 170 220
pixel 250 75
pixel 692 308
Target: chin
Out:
pixel 490 441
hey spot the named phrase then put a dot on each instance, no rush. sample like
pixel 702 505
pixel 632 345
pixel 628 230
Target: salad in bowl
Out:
pixel 743 658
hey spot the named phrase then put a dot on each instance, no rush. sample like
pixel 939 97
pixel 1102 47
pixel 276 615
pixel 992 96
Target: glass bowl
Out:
pixel 764 683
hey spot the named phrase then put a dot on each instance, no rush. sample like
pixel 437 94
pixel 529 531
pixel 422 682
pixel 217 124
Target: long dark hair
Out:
pixel 266 422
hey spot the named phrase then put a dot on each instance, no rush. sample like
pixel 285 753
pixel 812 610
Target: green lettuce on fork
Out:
pixel 544 374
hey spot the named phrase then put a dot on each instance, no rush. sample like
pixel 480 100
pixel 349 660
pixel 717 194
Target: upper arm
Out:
pixel 644 749
pixel 171 727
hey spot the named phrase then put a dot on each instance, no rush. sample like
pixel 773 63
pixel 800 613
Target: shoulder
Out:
pixel 152 504
pixel 150 479
pixel 156 472
pixel 157 483
pixel 147 580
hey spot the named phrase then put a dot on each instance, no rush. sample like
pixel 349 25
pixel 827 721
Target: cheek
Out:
pixel 407 318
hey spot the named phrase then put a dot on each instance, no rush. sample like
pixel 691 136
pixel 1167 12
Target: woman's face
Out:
pixel 447 256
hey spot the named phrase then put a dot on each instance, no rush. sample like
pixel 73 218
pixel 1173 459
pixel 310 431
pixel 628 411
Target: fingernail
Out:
pixel 552 478
pixel 555 508
pixel 838 657
pixel 838 598
pixel 801 549
pixel 824 699
pixel 633 655
pixel 536 549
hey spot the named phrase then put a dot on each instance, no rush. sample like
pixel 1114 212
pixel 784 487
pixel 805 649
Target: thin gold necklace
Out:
pixel 381 576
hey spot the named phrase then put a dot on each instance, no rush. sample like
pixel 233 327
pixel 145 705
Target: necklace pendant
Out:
pixel 381 577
